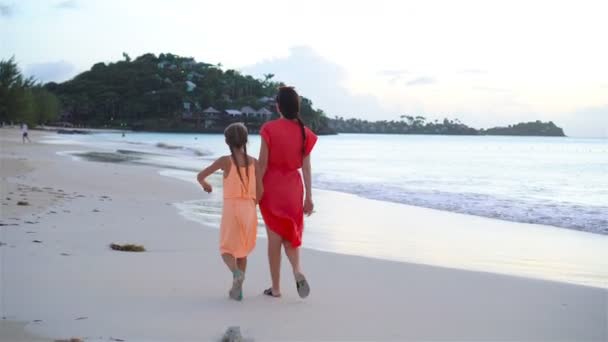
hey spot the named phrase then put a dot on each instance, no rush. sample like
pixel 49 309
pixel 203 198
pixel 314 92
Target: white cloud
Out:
pixel 490 89
pixel 320 80
pixel 490 62
pixel 67 4
pixel 586 122
pixel 51 71
pixel 394 76
pixel 424 80
pixel 473 71
pixel 7 10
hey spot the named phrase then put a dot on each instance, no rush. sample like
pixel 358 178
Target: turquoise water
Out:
pixel 561 182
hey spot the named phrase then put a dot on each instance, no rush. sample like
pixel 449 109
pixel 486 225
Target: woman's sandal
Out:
pixel 302 286
pixel 236 292
pixel 268 292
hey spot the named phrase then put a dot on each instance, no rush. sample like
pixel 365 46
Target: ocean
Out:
pixel 557 185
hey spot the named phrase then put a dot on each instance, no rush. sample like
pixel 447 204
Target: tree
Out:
pixel 45 105
pixel 126 56
pixel 149 93
pixel 18 101
pixel 267 78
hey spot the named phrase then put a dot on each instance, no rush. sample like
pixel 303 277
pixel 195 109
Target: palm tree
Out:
pixel 267 78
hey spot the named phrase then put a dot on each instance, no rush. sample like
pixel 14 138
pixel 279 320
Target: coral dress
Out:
pixel 238 230
pixel 282 204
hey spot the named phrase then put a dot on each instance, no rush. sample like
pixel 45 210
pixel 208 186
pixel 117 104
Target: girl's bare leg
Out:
pixel 236 291
pixel 241 264
pixel 230 261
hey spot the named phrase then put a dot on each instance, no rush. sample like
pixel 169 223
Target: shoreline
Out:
pixel 522 209
pixel 176 290
pixel 499 247
pixel 91 130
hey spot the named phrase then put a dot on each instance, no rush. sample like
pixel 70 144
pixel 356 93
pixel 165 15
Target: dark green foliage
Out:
pixel 527 128
pixel 407 125
pixel 149 92
pixel 22 99
pixel 418 125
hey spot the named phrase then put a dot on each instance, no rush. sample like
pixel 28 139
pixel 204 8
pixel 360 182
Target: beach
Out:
pixel 59 278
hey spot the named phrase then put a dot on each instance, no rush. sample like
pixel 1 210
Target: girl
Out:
pixel 286 147
pixel 238 228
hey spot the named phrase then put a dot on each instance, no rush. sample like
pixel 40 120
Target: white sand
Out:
pixel 176 291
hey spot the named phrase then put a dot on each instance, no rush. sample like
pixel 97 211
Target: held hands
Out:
pixel 207 187
pixel 308 206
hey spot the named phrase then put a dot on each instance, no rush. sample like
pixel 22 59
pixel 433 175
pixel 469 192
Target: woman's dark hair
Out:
pixel 288 101
pixel 236 137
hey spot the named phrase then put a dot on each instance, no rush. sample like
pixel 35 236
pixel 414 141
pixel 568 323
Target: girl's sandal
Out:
pixel 302 286
pixel 268 292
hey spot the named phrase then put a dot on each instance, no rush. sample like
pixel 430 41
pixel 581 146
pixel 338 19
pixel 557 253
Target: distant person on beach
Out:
pixel 286 147
pixel 24 133
pixel 238 228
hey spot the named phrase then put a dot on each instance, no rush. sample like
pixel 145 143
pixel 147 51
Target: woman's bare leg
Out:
pixel 274 260
pixel 293 254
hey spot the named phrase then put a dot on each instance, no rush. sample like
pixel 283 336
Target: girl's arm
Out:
pixel 262 164
pixel 218 164
pixel 306 172
pixel 256 166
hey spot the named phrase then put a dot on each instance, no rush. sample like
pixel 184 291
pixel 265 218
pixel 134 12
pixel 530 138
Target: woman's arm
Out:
pixel 262 165
pixel 306 172
pixel 218 164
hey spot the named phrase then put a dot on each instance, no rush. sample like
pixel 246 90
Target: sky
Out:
pixel 487 63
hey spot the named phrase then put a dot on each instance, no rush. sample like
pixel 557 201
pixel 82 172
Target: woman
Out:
pixel 286 147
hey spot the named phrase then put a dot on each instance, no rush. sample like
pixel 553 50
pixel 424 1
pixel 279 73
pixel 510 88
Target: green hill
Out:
pixel 178 94
pixel 169 92
pixel 536 128
pixel 409 124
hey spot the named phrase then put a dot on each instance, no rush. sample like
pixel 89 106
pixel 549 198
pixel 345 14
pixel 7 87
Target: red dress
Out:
pixel 282 203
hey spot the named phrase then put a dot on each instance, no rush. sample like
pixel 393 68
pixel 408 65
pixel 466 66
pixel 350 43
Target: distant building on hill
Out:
pixel 190 86
pixel 248 111
pixel 264 113
pixel 233 112
pixel 211 117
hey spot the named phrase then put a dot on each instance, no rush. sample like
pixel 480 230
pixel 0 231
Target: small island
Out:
pixel 418 125
pixel 170 93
